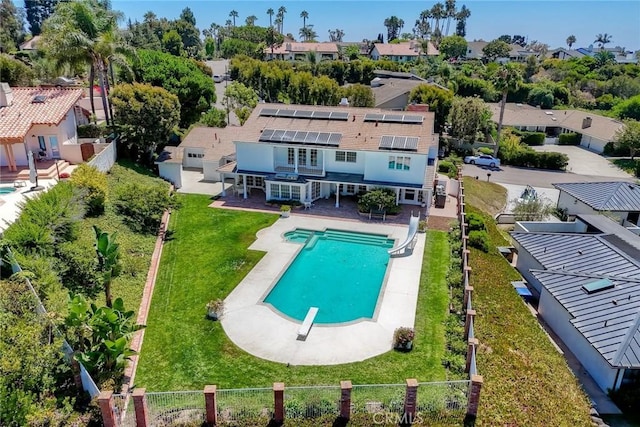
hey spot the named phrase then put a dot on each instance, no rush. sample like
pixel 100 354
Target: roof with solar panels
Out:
pixel 338 127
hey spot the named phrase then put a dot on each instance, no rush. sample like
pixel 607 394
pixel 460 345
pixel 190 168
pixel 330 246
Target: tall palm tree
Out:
pixel 251 20
pixel 270 12
pixel 281 11
pixel 304 15
pixel 462 17
pixel 603 39
pixel 82 32
pixel 507 78
pixel 571 40
pixel 308 33
pixel 233 14
pixel 438 13
pixel 450 12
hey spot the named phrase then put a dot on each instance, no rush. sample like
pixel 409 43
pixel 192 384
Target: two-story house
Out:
pixel 296 51
pixel 304 153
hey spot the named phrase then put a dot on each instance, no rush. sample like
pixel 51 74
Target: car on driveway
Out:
pixel 483 160
pixel 217 78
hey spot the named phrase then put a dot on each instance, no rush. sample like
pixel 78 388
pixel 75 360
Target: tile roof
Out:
pixel 356 133
pixel 603 128
pixel 578 253
pixel 17 119
pixel 390 89
pixel 404 49
pixel 617 196
pixel 298 47
pixel 609 319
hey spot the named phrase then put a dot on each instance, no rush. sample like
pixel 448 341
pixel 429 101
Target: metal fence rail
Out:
pixel 442 401
pixel 242 404
pixel 124 410
pixel 175 408
pixel 311 402
pixel 379 398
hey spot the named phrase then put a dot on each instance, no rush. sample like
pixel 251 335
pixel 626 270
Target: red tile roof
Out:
pixel 17 118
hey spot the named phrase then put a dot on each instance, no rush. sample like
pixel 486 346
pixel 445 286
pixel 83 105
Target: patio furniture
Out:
pixel 308 321
pixel 308 204
pixel 19 183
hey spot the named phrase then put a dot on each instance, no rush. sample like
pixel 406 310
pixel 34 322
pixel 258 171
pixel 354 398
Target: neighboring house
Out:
pixel 401 52
pixel 587 276
pixel 304 153
pixel 294 51
pixel 562 53
pixel 595 130
pixel 392 92
pixel 204 149
pixel 516 54
pixel 619 200
pixel 620 54
pixel 363 47
pixel 41 120
pixel 31 44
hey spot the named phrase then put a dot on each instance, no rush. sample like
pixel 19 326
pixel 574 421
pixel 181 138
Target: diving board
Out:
pixel 411 236
pixel 308 321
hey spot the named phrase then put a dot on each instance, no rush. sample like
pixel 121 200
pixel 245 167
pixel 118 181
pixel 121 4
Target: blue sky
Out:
pixel 548 21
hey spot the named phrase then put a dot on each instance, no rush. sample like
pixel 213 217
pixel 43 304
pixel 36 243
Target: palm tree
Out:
pixel 304 15
pixel 233 14
pixel 438 13
pixel 251 20
pixel 450 11
pixel 603 39
pixel 462 17
pixel 507 78
pixel 307 33
pixel 281 11
pixel 270 12
pixel 571 40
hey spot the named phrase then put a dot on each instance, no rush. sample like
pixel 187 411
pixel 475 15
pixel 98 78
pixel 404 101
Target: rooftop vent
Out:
pixel 39 99
pixel 6 95
pixel 597 286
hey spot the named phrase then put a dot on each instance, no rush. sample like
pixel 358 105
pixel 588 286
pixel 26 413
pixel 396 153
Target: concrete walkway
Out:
pixel 263 332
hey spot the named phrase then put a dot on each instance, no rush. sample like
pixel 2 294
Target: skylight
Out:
pixel 597 286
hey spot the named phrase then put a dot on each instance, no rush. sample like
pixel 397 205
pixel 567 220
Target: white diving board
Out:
pixel 411 236
pixel 308 321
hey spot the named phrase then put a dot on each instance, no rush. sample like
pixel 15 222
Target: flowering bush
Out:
pixel 403 337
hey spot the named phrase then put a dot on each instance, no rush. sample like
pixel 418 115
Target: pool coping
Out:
pixel 259 330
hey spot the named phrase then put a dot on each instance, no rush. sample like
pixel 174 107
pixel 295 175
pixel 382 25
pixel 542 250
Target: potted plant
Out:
pixel 285 210
pixel 215 309
pixel 403 338
pixel 64 176
pixel 422 226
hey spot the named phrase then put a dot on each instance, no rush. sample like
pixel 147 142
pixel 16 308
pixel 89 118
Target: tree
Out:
pixel 215 118
pixel 628 138
pixel 308 34
pixel 450 12
pixel 336 35
pixel 629 109
pixel 438 12
pixel 519 40
pixel 507 78
pixel 234 14
pixel 304 15
pixel 270 12
pixel 453 47
pixel 12 30
pixel 273 39
pixel 241 99
pixel 438 100
pixel 531 67
pixel 15 72
pixel 536 209
pixel 190 36
pixel 37 12
pixel 602 40
pixel 461 17
pixel 496 49
pixel 359 95
pixel 469 117
pixel 505 38
pixel 251 20
pixel 172 43
pixel 147 115
pixel 538 47
pixel 187 16
pixel 603 58
pixel 281 11
pixel 108 254
pixel 422 27
pixel 393 24
pixel 571 40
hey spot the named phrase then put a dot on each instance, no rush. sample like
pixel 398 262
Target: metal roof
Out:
pixel 579 253
pixel 605 196
pixel 607 226
pixel 609 319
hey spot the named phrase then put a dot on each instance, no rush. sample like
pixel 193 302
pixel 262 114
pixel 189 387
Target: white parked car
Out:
pixel 217 78
pixel 483 160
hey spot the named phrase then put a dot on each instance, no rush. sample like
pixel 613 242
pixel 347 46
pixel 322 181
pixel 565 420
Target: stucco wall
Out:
pixel 525 263
pixel 377 168
pixel 255 157
pixel 106 158
pixel 172 172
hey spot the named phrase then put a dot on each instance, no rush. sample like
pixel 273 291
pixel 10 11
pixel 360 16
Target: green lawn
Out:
pixel 526 381
pixel 486 196
pixel 626 165
pixel 206 258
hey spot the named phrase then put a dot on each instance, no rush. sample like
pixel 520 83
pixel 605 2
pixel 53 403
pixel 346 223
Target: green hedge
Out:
pixel 571 138
pixel 530 138
pixel 445 167
pixel 89 131
pixel 532 159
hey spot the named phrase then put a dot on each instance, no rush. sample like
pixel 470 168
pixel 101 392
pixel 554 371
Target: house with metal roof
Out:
pixel 304 153
pixel 619 200
pixel 586 274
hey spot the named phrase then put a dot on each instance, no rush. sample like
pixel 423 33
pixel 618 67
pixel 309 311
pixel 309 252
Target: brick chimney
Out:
pixel 586 122
pixel 6 95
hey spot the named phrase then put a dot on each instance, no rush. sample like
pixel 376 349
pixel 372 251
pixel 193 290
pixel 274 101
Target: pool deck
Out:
pixel 263 332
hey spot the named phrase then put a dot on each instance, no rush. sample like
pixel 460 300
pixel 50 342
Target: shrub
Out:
pixel 480 240
pixel 475 221
pixel 77 268
pixel 143 205
pixel 93 184
pixel 402 337
pixel 570 138
pixel 379 199
pixel 485 150
pixel 89 131
pixel 531 138
pixel 445 166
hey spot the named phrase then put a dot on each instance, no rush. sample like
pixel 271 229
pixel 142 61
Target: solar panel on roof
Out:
pixel 323 137
pixel 304 113
pixel 339 115
pixel 266 135
pixel 288 135
pixel 321 114
pixel 373 117
pixel 277 135
pixel 411 143
pixel 300 136
pixel 386 142
pixel 406 143
pixel 286 113
pixel 311 137
pixel 268 112
pixel 407 118
pixel 334 138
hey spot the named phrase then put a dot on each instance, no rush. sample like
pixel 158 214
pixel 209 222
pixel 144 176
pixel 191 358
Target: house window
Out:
pixel 285 191
pixel 314 157
pixel 42 143
pixel 302 157
pixel 346 156
pixel 399 163
pixel 351 189
pixel 295 192
pixel 290 156
pixel 275 191
pixel 195 155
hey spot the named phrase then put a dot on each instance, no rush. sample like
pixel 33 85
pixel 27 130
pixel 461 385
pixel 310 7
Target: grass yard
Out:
pixel 526 381
pixel 486 196
pixel 626 165
pixel 206 258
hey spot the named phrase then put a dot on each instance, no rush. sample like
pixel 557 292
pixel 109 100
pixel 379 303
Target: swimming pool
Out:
pixel 340 272
pixel 6 190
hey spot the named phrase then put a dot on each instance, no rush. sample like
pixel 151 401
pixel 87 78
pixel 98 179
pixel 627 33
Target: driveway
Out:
pixel 585 162
pixel 220 67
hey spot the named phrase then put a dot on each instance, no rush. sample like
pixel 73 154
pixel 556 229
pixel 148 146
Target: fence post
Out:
pixel 410 401
pixel 140 406
pixel 467 322
pixel 468 290
pixel 211 404
pixel 105 400
pixel 472 344
pixel 77 377
pixel 474 396
pixel 278 400
pixel 345 399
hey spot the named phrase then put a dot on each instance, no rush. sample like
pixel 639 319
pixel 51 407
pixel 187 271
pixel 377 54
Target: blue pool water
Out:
pixel 7 190
pixel 339 272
